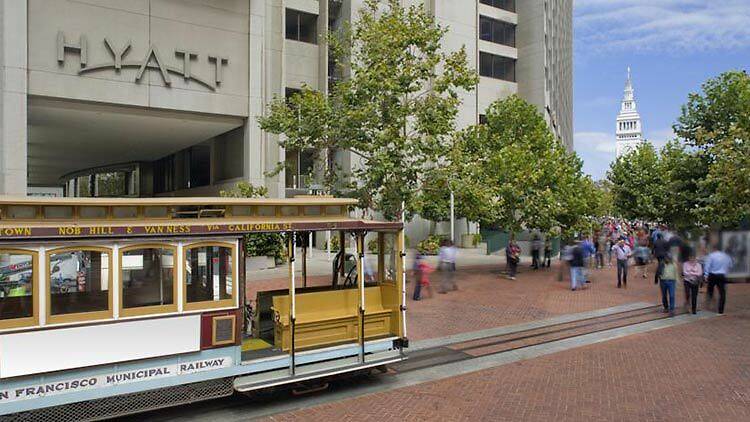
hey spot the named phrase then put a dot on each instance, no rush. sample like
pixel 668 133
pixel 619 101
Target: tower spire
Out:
pixel 628 131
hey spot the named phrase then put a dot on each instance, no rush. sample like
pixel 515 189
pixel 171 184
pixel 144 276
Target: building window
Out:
pixel 298 165
pixel 17 275
pixel 209 276
pixel 147 276
pixel 509 5
pixel 79 284
pixel 299 168
pixel 482 119
pixel 496 31
pixel 301 26
pixel 497 67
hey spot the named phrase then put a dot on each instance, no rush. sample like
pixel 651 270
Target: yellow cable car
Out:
pixel 116 306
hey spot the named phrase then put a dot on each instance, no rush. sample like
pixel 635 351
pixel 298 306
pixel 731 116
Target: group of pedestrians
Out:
pixel 446 266
pixel 676 263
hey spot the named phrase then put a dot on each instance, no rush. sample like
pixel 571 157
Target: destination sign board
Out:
pixel 104 231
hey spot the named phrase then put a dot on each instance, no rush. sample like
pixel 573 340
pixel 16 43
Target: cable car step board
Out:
pixel 316 370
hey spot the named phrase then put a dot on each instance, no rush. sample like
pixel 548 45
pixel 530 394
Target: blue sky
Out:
pixel 672 47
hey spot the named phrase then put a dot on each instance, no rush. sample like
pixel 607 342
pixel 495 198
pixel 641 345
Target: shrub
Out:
pixel 266 244
pixel 372 244
pixel 431 245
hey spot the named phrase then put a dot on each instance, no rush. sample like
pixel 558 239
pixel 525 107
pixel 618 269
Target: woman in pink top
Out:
pixel 692 277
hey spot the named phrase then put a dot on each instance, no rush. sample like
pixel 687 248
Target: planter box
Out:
pixel 255 263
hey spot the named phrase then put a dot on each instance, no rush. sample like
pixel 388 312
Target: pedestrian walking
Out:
pixel 447 266
pixel 536 248
pixel 642 252
pixel 670 275
pixel 577 261
pixel 692 277
pixel 623 253
pixel 661 249
pixel 613 238
pixel 588 253
pixel 425 269
pixel 547 252
pixel 715 269
pixel 600 244
pixel 512 257
pixel 418 277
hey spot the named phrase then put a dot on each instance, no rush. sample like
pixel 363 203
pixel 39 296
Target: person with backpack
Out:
pixel 623 253
pixel 661 249
pixel 577 262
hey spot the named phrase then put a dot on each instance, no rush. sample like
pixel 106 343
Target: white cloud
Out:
pixel 594 142
pixel 663 26
pixel 660 137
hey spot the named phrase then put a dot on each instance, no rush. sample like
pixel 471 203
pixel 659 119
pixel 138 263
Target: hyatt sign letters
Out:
pixel 152 60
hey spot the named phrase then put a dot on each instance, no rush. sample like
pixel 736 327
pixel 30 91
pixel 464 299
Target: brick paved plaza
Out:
pixel 698 371
pixel 487 299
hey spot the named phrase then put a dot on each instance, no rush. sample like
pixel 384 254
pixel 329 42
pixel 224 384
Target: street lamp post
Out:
pixel 453 219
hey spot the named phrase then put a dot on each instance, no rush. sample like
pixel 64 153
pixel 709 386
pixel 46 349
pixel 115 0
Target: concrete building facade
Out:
pixel 160 97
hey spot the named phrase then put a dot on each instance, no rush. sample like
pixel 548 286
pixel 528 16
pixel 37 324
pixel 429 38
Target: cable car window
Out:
pixel 208 274
pixel 16 285
pixel 148 280
pixel 78 283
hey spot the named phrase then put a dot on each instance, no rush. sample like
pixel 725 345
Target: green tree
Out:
pixel 638 185
pixel 716 122
pixel 258 244
pixel 512 173
pixel 395 113
pixel 683 172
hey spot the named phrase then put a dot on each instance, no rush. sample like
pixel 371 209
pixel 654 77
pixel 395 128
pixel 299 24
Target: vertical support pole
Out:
pixel 453 219
pixel 381 257
pixel 292 300
pixel 361 286
pixel 247 324
pixel 342 249
pixel 328 245
pixel 402 267
pixel 304 262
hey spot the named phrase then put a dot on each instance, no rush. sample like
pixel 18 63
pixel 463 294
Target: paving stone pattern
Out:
pixel 698 371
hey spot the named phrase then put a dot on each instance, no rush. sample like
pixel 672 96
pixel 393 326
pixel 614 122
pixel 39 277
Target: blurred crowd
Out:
pixel 690 262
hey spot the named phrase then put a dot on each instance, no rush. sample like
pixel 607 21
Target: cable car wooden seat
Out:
pixel 330 317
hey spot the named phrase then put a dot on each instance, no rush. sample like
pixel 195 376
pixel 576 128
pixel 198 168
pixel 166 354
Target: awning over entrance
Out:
pixel 67 136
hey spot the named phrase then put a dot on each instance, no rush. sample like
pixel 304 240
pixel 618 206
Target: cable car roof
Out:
pixel 23 218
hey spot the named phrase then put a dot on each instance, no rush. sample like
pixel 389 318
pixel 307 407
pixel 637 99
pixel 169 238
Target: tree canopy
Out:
pixel 702 178
pixel 394 113
pixel 513 173
pixel 716 122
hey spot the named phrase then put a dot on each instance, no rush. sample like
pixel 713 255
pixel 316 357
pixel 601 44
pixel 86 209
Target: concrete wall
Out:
pixel 13 103
pixel 544 70
pixel 206 28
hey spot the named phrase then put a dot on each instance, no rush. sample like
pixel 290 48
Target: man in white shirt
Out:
pixel 622 253
pixel 716 267
pixel 447 265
